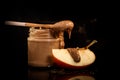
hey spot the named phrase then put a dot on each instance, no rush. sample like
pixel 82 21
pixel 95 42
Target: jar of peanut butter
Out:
pixel 40 45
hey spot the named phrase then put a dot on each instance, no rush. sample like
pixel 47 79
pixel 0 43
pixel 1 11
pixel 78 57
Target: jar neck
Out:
pixel 40 33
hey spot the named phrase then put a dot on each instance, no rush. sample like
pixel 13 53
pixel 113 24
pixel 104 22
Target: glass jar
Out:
pixel 40 45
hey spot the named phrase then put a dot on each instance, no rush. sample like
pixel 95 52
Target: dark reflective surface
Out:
pixel 56 73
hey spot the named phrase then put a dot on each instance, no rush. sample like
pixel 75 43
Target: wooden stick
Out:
pixel 27 24
pixel 93 42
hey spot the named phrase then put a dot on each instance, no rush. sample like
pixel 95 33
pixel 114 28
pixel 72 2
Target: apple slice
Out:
pixel 62 57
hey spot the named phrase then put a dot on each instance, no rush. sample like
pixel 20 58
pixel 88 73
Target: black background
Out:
pixel 99 20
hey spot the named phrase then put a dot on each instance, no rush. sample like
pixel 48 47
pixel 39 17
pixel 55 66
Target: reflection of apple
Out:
pixel 62 58
pixel 82 78
pixel 75 77
pixel 78 77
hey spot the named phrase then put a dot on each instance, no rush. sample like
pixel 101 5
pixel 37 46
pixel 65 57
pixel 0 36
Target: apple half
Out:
pixel 63 59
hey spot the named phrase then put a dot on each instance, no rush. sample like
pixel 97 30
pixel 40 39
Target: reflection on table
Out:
pixel 61 74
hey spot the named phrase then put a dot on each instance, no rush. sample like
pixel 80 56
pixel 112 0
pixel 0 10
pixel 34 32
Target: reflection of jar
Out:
pixel 40 45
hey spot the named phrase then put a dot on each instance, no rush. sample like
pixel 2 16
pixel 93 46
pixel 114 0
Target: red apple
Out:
pixel 63 59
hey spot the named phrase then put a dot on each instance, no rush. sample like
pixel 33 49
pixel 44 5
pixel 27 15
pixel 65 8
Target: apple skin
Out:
pixel 65 65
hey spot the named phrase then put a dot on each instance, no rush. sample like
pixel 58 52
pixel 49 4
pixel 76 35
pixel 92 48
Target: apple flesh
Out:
pixel 63 59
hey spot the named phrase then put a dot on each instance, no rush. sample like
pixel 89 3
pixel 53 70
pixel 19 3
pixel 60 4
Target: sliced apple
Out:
pixel 62 58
